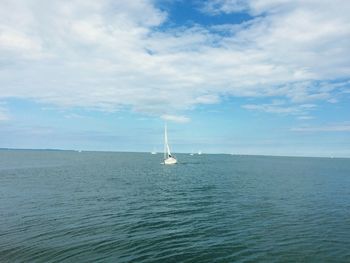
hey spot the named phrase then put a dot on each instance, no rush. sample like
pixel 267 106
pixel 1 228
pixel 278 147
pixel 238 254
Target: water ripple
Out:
pixel 113 207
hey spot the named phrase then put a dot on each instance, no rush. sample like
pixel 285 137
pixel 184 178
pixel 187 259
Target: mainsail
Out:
pixel 167 152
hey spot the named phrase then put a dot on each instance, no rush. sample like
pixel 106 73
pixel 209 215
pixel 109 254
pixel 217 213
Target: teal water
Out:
pixel 60 206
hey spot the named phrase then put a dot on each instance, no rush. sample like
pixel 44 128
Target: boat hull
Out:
pixel 170 160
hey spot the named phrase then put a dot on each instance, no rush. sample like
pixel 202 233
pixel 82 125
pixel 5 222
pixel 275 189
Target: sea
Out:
pixel 69 206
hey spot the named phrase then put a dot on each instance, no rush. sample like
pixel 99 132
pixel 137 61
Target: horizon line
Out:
pixel 202 153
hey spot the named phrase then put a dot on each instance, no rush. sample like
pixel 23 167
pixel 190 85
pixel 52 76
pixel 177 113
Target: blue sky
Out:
pixel 229 76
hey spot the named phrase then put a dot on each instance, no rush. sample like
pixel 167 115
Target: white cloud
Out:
pixel 175 118
pixel 345 127
pixel 333 100
pixel 13 40
pixel 110 54
pixel 281 107
pixel 216 7
pixel 305 117
pixel 74 116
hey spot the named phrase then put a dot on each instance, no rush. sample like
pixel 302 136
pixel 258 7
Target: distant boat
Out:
pixel 199 153
pixel 154 152
pixel 168 158
pixel 191 154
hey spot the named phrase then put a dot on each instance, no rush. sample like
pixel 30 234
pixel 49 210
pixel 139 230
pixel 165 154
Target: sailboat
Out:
pixel 168 158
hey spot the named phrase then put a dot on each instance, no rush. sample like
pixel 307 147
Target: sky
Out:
pixel 268 77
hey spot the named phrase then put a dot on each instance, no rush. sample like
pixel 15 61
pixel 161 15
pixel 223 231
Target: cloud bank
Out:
pixel 109 55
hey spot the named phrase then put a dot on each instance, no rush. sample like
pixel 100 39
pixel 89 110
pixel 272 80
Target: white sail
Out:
pixel 168 158
pixel 166 142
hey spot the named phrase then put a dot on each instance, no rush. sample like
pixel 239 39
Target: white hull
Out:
pixel 170 160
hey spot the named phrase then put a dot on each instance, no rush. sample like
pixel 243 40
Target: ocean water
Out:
pixel 61 206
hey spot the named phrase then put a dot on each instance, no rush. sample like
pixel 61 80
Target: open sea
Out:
pixel 66 206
